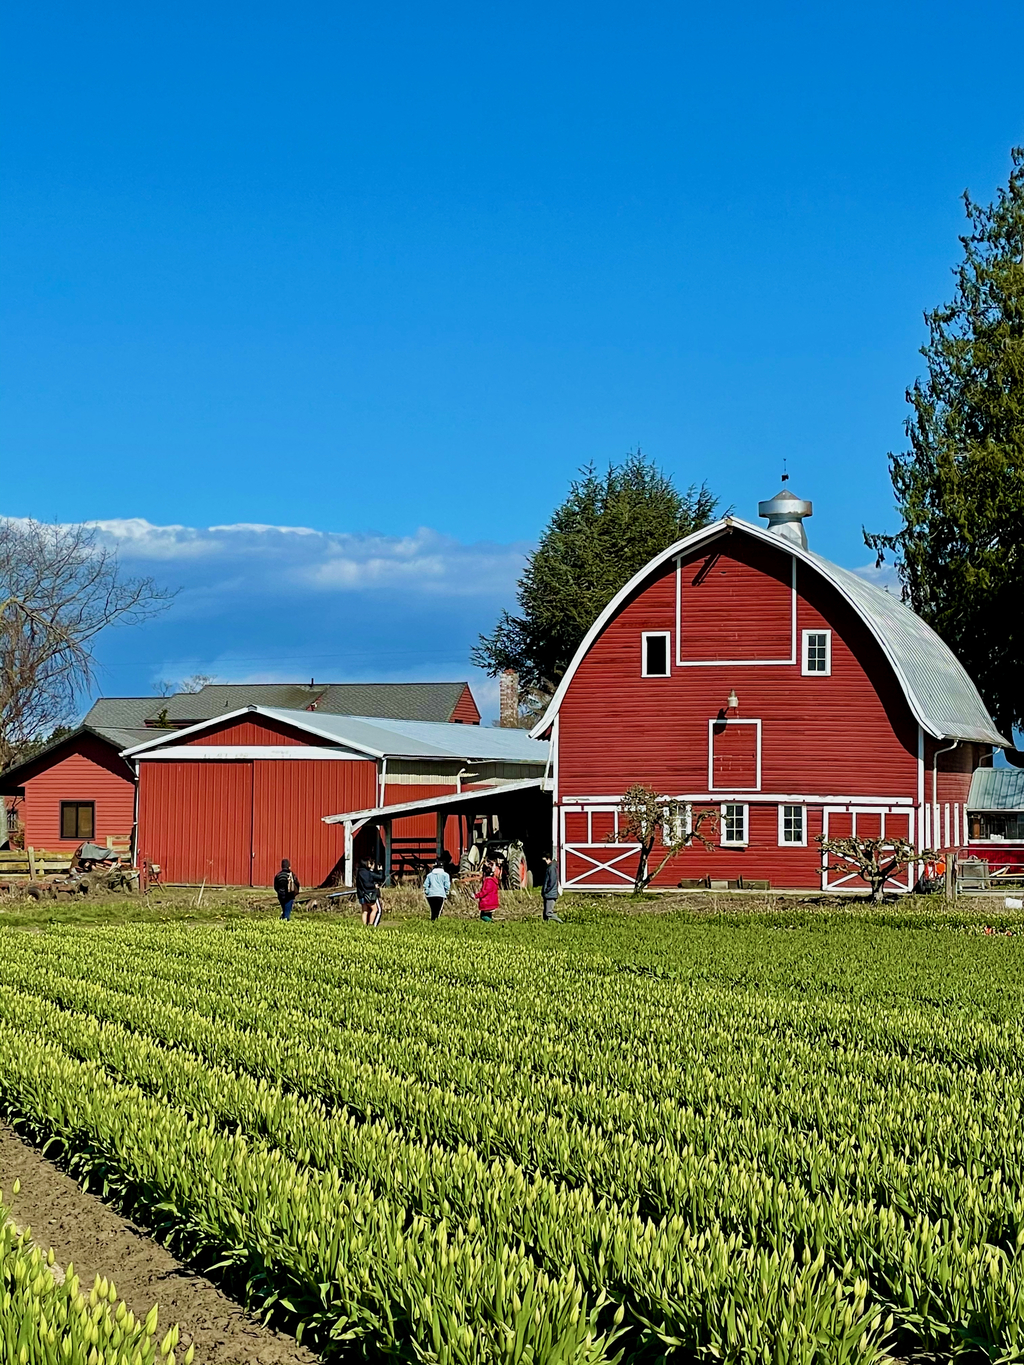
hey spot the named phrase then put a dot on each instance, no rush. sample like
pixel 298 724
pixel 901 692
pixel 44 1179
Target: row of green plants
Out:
pixel 464 1151
pixel 47 1318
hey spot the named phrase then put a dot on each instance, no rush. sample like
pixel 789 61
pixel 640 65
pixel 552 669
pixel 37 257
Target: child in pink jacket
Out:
pixel 487 896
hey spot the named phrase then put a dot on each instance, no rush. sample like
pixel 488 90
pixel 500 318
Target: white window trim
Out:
pixel 816 672
pixel 711 754
pixel 665 635
pixel 791 843
pixel 736 843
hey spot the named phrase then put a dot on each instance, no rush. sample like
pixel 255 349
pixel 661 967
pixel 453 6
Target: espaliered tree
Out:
pixel 876 860
pixel 609 526
pixel 646 818
pixel 960 487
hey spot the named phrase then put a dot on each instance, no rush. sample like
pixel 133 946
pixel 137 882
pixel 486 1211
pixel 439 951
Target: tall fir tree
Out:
pixel 608 527
pixel 960 487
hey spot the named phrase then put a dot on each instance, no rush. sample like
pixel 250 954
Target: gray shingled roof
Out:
pixel 996 789
pixel 121 712
pixel 398 701
pixel 381 735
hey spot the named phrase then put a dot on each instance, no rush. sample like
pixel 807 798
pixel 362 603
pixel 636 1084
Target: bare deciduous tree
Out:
pixel 59 587
pixel 877 860
pixel 646 818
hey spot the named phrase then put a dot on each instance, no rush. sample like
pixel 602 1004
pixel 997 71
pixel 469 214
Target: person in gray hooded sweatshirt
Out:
pixel 549 891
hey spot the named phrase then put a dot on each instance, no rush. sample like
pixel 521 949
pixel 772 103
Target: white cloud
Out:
pixel 320 561
pixel 882 575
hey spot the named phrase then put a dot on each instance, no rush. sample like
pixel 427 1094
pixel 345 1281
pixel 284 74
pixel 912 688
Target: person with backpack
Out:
pixel 368 881
pixel 286 884
pixel 487 896
pixel 436 885
pixel 549 891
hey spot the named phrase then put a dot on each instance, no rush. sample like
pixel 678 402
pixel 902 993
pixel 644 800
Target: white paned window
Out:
pixel 734 824
pixel 817 653
pixel 793 826
pixel 655 654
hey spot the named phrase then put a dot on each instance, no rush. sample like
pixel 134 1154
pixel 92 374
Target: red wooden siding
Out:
pixel 716 589
pixel 195 821
pixel 86 769
pixel 734 754
pixel 232 822
pixel 850 733
pixel 251 732
pixel 466 710
pixel 289 800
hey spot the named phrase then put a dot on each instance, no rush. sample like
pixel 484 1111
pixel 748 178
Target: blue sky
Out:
pixel 389 274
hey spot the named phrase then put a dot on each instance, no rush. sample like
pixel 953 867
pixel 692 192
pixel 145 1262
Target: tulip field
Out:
pixel 621 1138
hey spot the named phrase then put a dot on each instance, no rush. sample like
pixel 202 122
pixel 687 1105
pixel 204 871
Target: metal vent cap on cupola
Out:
pixel 785 513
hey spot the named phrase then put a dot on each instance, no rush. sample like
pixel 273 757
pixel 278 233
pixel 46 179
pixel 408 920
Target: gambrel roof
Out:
pixel 939 691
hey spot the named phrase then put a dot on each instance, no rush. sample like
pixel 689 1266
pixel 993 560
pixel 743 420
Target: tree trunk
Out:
pixel 641 879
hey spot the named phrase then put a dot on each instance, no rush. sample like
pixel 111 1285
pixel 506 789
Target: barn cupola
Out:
pixel 785 513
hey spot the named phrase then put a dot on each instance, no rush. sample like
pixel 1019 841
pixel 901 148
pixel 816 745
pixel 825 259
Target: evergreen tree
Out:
pixel 608 527
pixel 960 487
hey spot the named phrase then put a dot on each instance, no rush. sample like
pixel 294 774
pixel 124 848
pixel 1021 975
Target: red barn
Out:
pixel 224 800
pixel 743 673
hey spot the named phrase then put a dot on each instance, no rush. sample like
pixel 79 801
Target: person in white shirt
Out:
pixel 436 886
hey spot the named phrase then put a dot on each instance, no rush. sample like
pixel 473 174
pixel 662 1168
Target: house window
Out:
pixel 655 654
pixel 817 653
pixel 77 819
pixel 734 824
pixel 793 826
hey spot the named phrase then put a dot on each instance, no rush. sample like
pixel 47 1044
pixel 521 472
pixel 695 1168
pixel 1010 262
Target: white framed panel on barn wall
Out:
pixel 734 663
pixel 832 879
pixel 583 859
pixel 713 723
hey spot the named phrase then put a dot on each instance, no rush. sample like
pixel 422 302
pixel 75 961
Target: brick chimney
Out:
pixel 508 699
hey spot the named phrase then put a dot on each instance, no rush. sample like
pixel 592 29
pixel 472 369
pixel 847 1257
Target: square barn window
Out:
pixel 77 819
pixel 793 826
pixel 655 655
pixel 817 657
pixel 734 824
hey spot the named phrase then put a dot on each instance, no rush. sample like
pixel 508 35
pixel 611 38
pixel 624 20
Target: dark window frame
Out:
pixel 77 807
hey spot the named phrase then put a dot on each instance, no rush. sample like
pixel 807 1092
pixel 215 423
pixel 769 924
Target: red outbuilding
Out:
pixel 742 673
pixel 224 800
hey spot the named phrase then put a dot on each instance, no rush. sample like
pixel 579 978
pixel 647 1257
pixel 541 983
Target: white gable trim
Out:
pixel 174 737
pixel 707 534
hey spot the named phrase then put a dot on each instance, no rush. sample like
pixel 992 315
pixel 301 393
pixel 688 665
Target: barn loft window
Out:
pixel 793 826
pixel 734 824
pixel 655 654
pixel 77 819
pixel 734 755
pixel 817 653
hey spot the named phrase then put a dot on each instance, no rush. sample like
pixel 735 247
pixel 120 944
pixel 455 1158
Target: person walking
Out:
pixel 368 880
pixel 286 884
pixel 549 891
pixel 436 886
pixel 487 896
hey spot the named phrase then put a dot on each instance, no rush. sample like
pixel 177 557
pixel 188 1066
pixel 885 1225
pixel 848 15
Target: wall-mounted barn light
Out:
pixel 732 702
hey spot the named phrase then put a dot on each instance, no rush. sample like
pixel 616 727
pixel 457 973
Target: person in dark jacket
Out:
pixel 368 880
pixel 549 891
pixel 286 884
